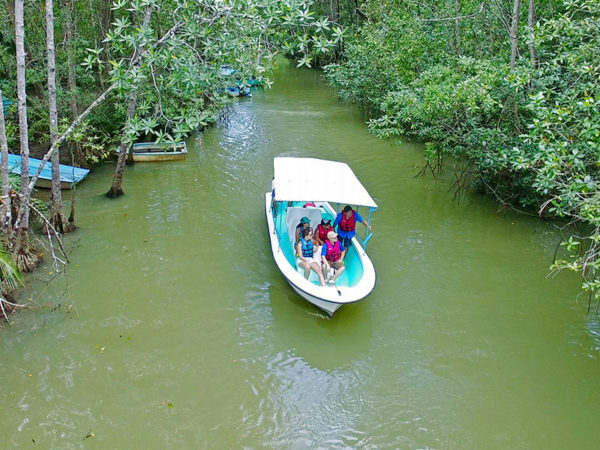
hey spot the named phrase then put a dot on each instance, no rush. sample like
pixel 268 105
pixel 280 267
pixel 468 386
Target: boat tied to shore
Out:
pixel 69 175
pixel 153 152
pixel 298 184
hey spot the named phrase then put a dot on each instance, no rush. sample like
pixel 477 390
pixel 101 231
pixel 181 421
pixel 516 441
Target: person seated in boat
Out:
pixel 332 257
pixel 322 230
pixel 307 249
pixel 346 223
pixel 303 225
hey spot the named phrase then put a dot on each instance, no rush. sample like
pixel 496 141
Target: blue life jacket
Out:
pixel 307 247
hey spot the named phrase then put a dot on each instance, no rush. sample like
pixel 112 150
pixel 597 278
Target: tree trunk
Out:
pixel 457 27
pixel 136 60
pixel 107 17
pixel 5 206
pixel 335 10
pixel 116 189
pixel 57 218
pixel 514 27
pixel 531 23
pixel 68 39
pixel 25 258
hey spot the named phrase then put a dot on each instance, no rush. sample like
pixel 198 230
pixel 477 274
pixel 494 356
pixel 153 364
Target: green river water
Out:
pixel 176 330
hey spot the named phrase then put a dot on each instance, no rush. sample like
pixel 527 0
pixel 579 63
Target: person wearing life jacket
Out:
pixel 304 224
pixel 346 223
pixel 322 230
pixel 332 257
pixel 307 249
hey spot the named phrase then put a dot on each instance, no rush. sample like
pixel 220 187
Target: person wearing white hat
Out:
pixel 332 257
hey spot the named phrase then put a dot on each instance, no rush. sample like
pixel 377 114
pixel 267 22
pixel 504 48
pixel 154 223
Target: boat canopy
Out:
pixel 311 179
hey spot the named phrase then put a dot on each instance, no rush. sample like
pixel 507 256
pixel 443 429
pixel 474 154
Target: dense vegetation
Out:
pixel 92 74
pixel 510 91
pixel 96 38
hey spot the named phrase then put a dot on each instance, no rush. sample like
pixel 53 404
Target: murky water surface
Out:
pixel 173 328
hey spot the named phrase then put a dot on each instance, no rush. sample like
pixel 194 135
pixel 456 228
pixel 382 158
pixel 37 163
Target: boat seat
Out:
pixel 313 277
pixel 295 213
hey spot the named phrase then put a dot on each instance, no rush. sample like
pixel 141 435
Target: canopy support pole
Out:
pixel 367 234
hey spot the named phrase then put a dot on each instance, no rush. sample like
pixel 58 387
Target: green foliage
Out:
pixel 530 136
pixel 561 147
pixel 179 81
pixel 10 277
pixel 379 59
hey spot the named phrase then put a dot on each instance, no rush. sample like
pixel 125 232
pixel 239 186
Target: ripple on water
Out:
pixel 300 404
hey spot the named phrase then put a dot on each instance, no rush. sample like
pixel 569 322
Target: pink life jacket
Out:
pixel 333 251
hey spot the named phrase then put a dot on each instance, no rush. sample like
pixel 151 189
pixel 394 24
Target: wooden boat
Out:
pixel 69 175
pixel 323 183
pixel 153 152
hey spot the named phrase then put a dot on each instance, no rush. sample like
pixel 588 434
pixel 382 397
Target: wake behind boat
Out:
pixel 296 182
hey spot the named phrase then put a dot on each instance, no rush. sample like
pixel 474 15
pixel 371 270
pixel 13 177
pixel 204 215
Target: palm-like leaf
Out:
pixel 10 276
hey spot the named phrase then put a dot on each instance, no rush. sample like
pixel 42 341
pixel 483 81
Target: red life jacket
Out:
pixel 333 251
pixel 322 232
pixel 348 224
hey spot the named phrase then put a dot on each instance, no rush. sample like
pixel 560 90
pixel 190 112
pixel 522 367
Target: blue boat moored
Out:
pixel 69 175
pixel 5 104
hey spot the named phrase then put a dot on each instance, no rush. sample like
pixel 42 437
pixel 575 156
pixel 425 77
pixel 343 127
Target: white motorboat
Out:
pixel 296 182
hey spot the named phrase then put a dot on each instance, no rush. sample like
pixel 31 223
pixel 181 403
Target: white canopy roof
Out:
pixel 310 179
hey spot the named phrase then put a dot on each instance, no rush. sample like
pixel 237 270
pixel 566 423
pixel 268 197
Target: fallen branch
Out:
pixel 50 227
pixel 14 305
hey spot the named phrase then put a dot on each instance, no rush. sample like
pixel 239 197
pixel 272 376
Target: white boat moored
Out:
pixel 153 152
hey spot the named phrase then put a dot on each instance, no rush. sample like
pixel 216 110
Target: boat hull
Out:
pixel 69 175
pixel 47 184
pixel 327 298
pixel 328 307
pixel 151 152
pixel 158 157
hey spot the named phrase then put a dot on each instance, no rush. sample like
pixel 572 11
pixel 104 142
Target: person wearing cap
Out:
pixel 322 229
pixel 332 256
pixel 304 223
pixel 346 223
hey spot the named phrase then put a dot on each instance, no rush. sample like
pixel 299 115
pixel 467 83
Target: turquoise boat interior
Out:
pixel 287 215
